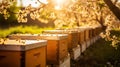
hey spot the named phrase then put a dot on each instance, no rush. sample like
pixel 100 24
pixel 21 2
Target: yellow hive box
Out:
pixel 56 48
pixel 23 53
pixel 90 33
pixel 81 36
pixel 72 36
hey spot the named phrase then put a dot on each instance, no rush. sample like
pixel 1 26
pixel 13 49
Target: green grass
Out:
pixel 101 54
pixel 22 29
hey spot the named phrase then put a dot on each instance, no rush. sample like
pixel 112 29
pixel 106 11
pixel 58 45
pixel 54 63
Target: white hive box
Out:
pixel 23 53
pixel 75 53
pixel 88 42
pixel 83 46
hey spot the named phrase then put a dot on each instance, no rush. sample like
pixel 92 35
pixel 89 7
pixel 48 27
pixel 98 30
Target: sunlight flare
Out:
pixel 33 3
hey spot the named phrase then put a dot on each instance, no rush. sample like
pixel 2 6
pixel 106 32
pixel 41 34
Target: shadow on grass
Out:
pixel 100 54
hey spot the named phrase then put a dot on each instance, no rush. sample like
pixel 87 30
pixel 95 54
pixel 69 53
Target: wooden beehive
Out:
pixel 29 53
pixel 72 36
pixel 81 35
pixel 99 30
pixel 94 32
pixel 91 33
pixel 56 48
pixel 76 35
pixel 75 53
pixel 83 46
pixel 87 34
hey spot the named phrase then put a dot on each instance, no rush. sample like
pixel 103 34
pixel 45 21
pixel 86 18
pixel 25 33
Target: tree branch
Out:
pixel 113 8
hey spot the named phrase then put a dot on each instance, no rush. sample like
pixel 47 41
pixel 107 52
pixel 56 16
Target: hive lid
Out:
pixel 39 36
pixel 53 36
pixel 67 31
pixel 21 45
pixel 24 36
pixel 83 28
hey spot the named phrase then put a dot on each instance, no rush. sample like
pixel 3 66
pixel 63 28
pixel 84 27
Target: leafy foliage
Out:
pixel 113 36
pixel 23 30
pixel 115 32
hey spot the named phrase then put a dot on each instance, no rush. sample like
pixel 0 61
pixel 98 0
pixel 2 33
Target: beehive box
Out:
pixel 76 34
pixel 57 45
pixel 91 33
pixel 88 42
pixel 23 53
pixel 56 48
pixel 82 36
pixel 99 30
pixel 64 63
pixel 87 34
pixel 75 53
pixel 96 31
pixel 92 41
pixel 83 46
pixel 72 36
pixel 81 33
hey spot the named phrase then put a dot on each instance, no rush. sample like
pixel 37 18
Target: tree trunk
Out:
pixel 113 8
pixel 77 19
